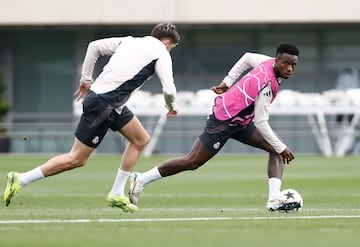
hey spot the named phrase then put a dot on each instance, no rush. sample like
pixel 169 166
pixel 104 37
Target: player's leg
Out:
pixel 197 156
pixel 138 138
pixel 77 157
pixel 204 148
pixel 275 162
pixel 91 129
pixel 275 165
pixel 209 143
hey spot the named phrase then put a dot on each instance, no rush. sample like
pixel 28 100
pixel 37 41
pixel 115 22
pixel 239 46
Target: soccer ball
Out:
pixel 292 201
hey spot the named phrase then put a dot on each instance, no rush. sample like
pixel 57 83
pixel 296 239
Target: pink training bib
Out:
pixel 244 93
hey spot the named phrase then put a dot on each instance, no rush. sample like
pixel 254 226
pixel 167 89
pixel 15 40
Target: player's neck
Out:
pixel 277 75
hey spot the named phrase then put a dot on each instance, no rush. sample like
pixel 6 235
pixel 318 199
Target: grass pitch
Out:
pixel 221 204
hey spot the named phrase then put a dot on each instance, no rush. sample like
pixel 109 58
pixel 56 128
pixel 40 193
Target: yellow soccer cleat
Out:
pixel 12 186
pixel 121 202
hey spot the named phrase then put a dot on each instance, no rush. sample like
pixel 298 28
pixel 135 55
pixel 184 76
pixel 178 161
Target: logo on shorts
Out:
pixel 95 140
pixel 216 145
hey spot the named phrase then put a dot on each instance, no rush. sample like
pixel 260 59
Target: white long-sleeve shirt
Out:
pixel 261 119
pixel 133 60
pixel 262 102
pixel 247 61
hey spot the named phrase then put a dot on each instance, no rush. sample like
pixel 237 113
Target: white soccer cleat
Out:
pixel 289 201
pixel 135 188
pixel 273 205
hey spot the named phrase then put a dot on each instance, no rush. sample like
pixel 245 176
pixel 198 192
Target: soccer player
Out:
pixel 133 60
pixel 240 112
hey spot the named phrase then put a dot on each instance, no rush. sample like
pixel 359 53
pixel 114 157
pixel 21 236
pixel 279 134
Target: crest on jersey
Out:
pixel 95 140
pixel 216 145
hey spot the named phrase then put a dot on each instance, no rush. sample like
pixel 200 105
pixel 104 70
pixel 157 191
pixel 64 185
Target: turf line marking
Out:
pixel 174 219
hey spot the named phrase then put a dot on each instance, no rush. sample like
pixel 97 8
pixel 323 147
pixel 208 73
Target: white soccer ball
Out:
pixel 292 201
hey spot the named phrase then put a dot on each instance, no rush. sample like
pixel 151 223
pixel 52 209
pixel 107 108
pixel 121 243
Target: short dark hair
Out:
pixel 166 30
pixel 289 48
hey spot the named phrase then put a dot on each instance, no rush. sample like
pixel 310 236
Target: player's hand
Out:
pixel 171 113
pixel 287 156
pixel 82 90
pixel 222 88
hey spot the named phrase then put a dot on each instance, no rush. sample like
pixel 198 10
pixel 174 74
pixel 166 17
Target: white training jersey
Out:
pixel 262 102
pixel 261 119
pixel 133 60
pixel 247 61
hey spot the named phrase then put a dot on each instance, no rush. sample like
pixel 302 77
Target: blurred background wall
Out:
pixel 43 43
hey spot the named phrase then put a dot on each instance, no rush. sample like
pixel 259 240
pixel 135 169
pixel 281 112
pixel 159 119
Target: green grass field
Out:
pixel 221 204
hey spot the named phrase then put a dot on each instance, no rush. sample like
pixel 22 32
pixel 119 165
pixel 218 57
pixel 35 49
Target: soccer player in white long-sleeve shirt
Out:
pixel 133 60
pixel 240 112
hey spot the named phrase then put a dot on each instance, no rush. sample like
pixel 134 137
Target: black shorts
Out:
pixel 98 116
pixel 216 133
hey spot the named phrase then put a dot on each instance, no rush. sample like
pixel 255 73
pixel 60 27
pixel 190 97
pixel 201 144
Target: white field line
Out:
pixel 215 209
pixel 179 195
pixel 245 209
pixel 175 219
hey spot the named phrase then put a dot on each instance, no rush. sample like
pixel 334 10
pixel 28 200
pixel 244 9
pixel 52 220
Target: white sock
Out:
pixel 149 176
pixel 119 183
pixel 274 188
pixel 31 176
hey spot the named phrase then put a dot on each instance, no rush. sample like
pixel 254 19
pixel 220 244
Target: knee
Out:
pixel 273 153
pixel 192 163
pixel 275 156
pixel 193 166
pixel 142 141
pixel 77 161
pixel 146 139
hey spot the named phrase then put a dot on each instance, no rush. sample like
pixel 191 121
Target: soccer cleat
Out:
pixel 12 187
pixel 282 206
pixel 273 205
pixel 287 207
pixel 121 202
pixel 135 188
